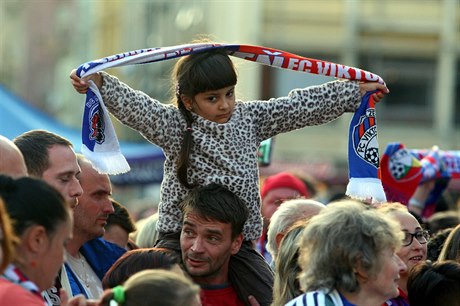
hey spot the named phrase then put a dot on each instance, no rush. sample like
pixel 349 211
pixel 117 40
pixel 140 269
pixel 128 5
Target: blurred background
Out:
pixel 413 44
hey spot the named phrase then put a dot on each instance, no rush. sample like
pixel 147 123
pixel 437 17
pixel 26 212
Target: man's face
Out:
pixel 206 248
pixel 94 207
pixel 273 200
pixel 63 172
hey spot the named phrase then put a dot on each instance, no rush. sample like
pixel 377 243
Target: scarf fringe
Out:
pixel 106 162
pixel 365 189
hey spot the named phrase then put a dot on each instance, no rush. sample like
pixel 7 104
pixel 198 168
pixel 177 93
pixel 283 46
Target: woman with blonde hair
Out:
pixel 287 269
pixel 414 245
pixel 348 256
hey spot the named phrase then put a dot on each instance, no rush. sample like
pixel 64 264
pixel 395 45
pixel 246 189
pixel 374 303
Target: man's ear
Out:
pixel 236 244
pixel 187 102
pixel 35 238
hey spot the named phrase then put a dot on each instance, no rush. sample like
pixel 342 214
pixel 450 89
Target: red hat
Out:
pixel 283 180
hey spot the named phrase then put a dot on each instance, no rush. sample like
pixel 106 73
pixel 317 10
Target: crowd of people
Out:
pixel 220 237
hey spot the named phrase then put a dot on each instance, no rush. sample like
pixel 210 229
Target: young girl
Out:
pixel 210 137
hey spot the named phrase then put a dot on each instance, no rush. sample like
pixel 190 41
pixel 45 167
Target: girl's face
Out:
pixel 415 252
pixel 214 105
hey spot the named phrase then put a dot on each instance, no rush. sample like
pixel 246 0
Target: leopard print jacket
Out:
pixel 223 153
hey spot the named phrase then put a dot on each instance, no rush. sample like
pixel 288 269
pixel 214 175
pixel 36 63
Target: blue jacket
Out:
pixel 100 255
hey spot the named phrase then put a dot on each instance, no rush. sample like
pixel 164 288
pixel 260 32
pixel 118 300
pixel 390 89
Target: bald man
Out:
pixel 11 160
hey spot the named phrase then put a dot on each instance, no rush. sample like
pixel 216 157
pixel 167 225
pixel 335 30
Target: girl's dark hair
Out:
pixel 30 201
pixel 137 260
pixel 194 74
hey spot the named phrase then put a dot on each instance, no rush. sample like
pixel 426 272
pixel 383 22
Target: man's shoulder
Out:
pixel 101 254
pixel 102 248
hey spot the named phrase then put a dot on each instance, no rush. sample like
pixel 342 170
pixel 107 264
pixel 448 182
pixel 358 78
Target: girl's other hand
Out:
pixel 82 85
pixel 371 86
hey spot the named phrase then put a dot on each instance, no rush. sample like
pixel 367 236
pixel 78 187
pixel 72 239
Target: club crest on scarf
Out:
pixel 97 124
pixel 93 121
pixel 365 137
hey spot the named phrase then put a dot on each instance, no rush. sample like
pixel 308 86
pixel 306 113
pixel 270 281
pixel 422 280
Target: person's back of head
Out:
pixel 286 285
pixel 435 244
pixel 34 146
pixel 137 260
pixel 147 233
pixel 119 225
pixel 215 202
pixel 11 160
pixel 451 247
pixel 434 284
pixel 154 287
pixel 441 220
pixel 285 216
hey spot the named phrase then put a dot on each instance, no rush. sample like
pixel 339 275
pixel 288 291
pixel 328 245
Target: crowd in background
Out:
pixel 221 236
pixel 311 244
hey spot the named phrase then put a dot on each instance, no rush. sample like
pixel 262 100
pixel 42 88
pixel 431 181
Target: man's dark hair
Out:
pixel 215 202
pixel 121 217
pixel 34 147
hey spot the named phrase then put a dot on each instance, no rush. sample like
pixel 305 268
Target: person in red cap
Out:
pixel 275 190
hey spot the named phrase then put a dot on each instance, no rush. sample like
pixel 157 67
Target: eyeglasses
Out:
pixel 421 236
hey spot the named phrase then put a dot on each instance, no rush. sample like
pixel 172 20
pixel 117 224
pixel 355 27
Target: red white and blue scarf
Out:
pixel 101 146
pixel 14 275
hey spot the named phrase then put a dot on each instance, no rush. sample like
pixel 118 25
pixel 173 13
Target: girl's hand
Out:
pixel 82 85
pixel 371 86
pixel 253 301
pixel 78 300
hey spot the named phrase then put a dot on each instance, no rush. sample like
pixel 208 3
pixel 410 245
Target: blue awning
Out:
pixel 17 116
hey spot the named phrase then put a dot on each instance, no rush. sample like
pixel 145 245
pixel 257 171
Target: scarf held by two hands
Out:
pixel 101 146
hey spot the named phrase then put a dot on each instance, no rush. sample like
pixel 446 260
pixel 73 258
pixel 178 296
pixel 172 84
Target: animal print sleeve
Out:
pixel 137 110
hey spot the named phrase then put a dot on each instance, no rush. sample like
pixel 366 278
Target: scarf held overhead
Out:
pixel 103 150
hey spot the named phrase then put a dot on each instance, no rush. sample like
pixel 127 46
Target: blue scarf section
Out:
pixel 363 154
